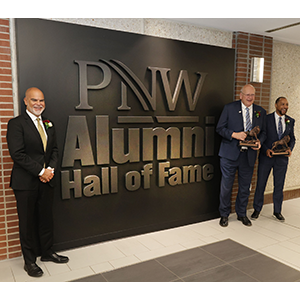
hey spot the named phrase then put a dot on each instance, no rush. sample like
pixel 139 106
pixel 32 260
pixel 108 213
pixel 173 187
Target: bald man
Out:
pixel 33 148
pixel 237 118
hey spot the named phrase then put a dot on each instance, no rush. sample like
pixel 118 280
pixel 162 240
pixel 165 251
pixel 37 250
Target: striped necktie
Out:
pixel 42 133
pixel 248 122
pixel 279 128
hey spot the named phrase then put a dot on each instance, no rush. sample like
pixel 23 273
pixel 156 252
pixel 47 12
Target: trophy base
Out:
pixel 280 153
pixel 249 145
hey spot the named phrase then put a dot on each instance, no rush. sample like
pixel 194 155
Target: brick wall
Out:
pixel 9 236
pixel 249 45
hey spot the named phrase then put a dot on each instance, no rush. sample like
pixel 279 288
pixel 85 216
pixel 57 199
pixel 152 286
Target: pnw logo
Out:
pixel 172 143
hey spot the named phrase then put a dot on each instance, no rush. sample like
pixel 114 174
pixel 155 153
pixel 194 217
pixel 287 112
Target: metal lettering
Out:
pixel 187 143
pixel 162 174
pixel 93 188
pixel 132 180
pixel 102 140
pixel 182 79
pixel 208 172
pixel 209 136
pixel 162 143
pixel 176 178
pixel 105 180
pixel 77 143
pixel 113 179
pixel 146 173
pixel 67 185
pixel 190 173
pixel 83 84
pixel 133 154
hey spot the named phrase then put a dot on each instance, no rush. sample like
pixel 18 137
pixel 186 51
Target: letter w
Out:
pixel 183 79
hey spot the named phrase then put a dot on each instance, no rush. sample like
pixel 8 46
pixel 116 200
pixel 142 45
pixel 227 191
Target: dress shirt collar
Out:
pixel 32 116
pixel 277 117
pixel 244 107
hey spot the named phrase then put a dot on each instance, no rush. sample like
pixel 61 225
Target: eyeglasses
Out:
pixel 248 95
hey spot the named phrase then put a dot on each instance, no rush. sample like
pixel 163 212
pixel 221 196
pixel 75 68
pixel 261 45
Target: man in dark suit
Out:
pixel 278 125
pixel 236 119
pixel 33 148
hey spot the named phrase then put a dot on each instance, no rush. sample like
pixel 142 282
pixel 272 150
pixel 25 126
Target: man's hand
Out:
pixel 289 153
pixel 239 135
pixel 269 153
pixel 47 176
pixel 258 145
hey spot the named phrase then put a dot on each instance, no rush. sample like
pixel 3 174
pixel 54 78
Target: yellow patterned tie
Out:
pixel 42 134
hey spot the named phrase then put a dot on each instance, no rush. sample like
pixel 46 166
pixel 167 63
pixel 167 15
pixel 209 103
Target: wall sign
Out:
pixel 135 117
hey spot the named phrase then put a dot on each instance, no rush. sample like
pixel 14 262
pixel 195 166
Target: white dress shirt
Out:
pixel 244 114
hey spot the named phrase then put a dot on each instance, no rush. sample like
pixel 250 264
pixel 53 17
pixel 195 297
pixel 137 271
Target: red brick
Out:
pixel 16 254
pixel 4 43
pixel 4 50
pixel 4 29
pixel 4 22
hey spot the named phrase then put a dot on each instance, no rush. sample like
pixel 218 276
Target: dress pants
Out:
pixel 245 172
pixel 279 171
pixel 35 221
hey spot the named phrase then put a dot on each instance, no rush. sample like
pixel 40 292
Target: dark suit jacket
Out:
pixel 231 120
pixel 26 149
pixel 272 137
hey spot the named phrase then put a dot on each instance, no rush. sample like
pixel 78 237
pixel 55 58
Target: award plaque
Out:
pixel 251 139
pixel 281 147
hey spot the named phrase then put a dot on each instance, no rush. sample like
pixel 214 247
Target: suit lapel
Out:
pixel 273 124
pixel 240 111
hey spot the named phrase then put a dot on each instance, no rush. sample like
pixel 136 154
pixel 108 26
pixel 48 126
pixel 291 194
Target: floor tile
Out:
pixel 102 267
pixel 189 262
pixel 266 269
pixel 225 273
pixel 149 271
pixel 228 250
pixel 160 252
pixel 93 278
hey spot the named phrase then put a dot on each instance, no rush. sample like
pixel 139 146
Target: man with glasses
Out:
pixel 236 119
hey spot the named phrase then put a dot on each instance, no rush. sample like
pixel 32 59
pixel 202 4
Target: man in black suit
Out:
pixel 236 119
pixel 278 125
pixel 33 148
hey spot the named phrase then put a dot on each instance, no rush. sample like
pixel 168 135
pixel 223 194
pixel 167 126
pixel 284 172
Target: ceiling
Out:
pixel 252 25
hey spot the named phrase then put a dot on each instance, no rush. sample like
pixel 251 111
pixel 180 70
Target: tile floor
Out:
pixel 267 236
pixel 224 261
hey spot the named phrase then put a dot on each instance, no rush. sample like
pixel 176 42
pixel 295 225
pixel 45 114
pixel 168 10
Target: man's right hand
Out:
pixel 239 135
pixel 269 153
pixel 47 176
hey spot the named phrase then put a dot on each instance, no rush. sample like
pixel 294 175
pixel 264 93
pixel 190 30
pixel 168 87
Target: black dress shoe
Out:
pixel 245 221
pixel 255 215
pixel 279 217
pixel 224 221
pixel 33 270
pixel 54 257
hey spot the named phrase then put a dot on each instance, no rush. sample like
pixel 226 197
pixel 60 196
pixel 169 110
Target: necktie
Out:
pixel 248 122
pixel 279 128
pixel 42 133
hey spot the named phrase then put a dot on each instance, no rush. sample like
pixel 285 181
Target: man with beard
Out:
pixel 33 148
pixel 278 125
